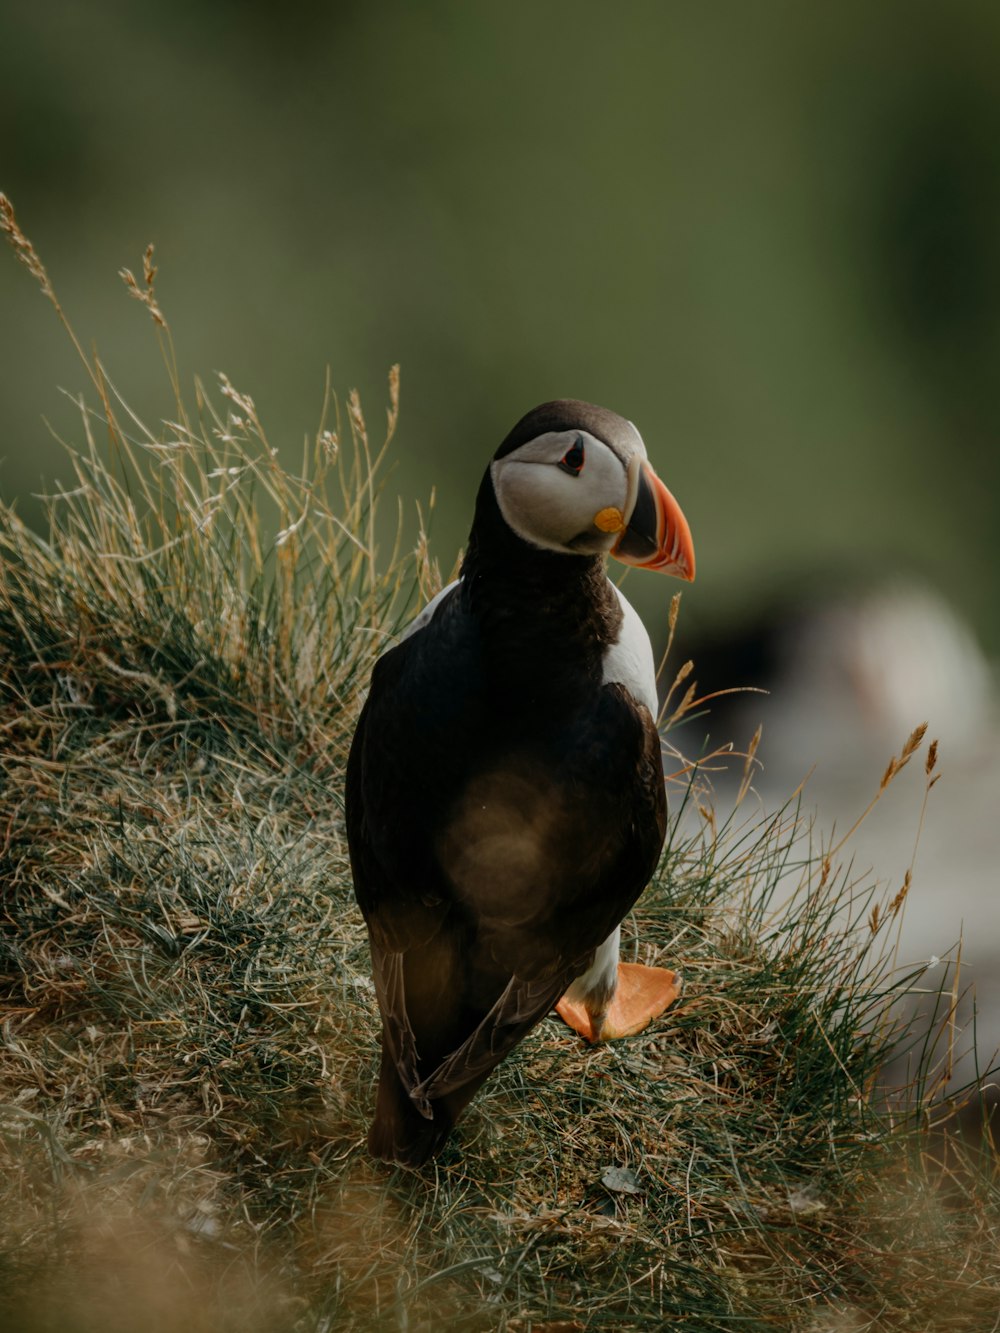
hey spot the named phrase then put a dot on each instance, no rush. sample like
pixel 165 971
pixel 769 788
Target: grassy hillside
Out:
pixel 190 1032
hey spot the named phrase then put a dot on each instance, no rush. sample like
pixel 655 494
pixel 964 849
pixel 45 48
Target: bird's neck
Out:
pixel 537 608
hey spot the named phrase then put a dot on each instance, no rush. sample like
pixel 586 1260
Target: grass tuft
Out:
pixel 189 1029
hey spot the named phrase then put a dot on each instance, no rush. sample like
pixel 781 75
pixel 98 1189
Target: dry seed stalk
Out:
pixel 748 764
pixel 679 679
pixel 392 411
pixel 145 294
pixel 23 247
pixel 894 766
pixel 672 614
pixel 900 897
pixel 28 256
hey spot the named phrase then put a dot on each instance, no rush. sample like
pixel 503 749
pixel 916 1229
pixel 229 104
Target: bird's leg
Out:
pixel 614 999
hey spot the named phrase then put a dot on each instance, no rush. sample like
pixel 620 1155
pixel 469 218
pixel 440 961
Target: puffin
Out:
pixel 504 801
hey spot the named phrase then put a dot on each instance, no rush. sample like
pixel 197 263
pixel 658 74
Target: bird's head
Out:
pixel 574 478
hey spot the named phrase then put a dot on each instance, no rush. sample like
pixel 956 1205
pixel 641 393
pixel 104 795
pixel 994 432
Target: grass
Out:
pixel 189 1030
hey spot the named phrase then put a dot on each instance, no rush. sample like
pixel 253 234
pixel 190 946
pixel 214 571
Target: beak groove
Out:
pixel 657 536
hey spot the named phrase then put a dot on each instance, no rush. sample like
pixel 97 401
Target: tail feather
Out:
pixel 399 1133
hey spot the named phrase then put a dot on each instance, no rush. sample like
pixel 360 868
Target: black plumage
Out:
pixel 505 808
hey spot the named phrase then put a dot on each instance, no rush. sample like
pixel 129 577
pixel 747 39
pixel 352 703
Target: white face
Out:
pixel 567 491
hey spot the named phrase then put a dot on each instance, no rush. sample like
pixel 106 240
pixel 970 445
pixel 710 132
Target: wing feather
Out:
pixel 521 1005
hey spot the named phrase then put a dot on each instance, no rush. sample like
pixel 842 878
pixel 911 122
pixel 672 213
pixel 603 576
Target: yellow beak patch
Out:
pixel 609 520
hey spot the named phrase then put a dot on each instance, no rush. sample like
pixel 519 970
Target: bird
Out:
pixel 504 799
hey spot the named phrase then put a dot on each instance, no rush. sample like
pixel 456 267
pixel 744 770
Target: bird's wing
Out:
pixel 394 878
pixel 415 921
pixel 390 989
pixel 521 1005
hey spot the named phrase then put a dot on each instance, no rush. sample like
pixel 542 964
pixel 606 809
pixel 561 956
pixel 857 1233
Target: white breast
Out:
pixel 629 660
pixel 425 616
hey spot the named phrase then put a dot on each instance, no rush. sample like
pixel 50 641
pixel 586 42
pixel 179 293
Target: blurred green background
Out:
pixel 769 234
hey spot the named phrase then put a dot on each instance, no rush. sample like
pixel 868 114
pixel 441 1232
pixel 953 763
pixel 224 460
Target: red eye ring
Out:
pixel 573 459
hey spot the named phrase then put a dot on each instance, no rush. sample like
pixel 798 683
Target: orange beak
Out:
pixel 657 535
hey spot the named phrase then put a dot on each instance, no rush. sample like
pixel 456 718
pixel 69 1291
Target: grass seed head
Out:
pixel 22 246
pixel 931 761
pixel 146 293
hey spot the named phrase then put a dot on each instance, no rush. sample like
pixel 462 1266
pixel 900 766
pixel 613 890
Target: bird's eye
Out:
pixel 572 459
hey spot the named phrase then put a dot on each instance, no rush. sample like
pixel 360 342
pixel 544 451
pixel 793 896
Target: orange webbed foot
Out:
pixel 641 994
